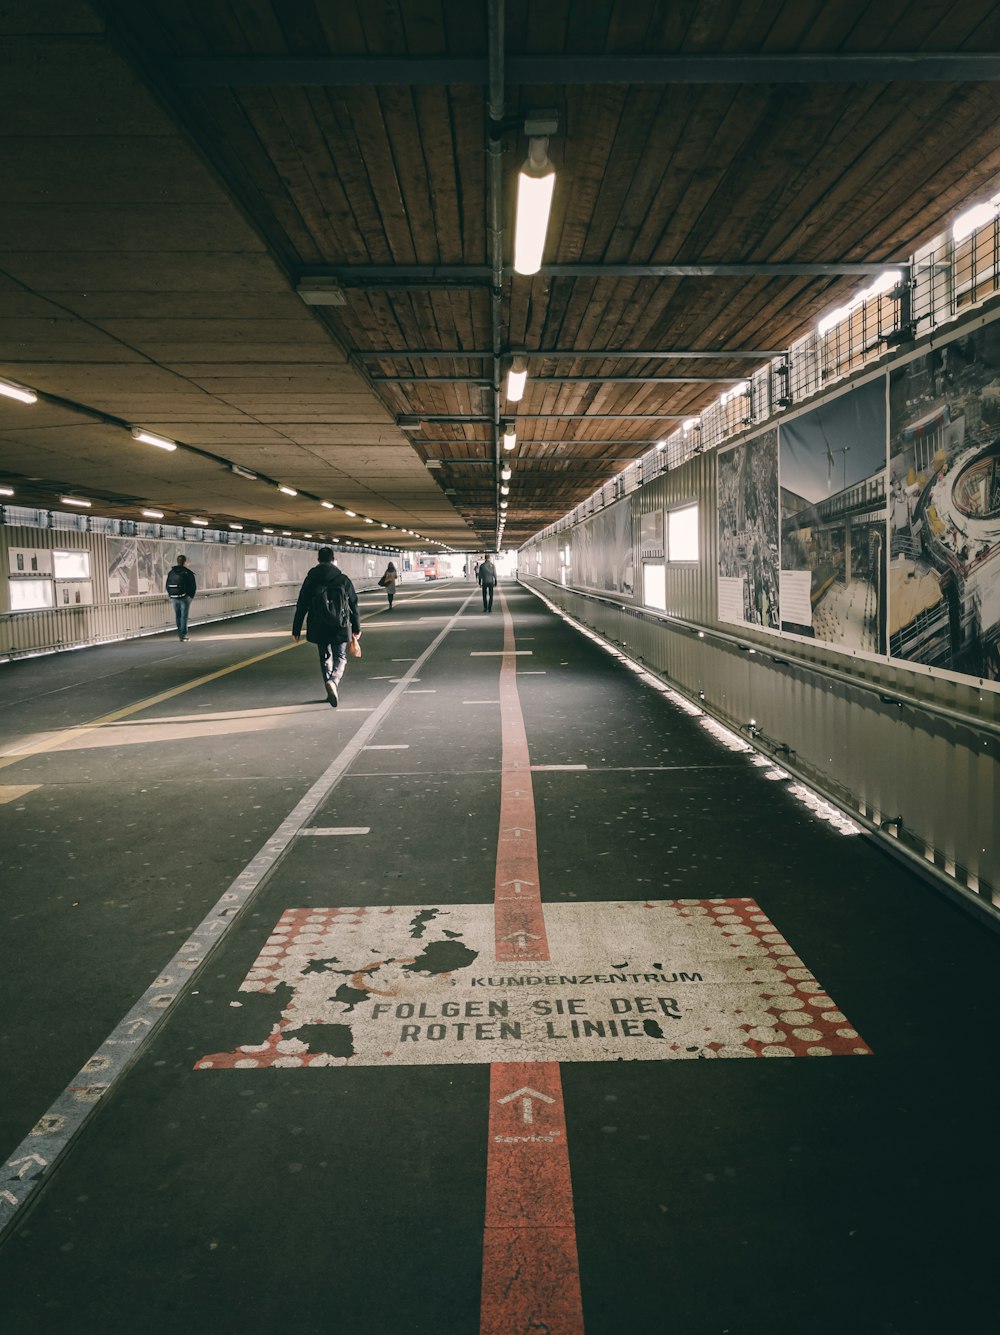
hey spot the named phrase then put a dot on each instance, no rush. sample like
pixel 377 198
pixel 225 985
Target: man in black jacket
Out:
pixel 181 588
pixel 328 604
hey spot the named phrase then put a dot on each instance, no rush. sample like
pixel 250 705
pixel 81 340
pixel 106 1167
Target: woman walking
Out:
pixel 388 582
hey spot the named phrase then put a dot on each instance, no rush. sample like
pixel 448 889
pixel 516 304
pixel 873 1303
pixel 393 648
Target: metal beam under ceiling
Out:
pixel 573 354
pixel 560 380
pixel 387 276
pixel 798 67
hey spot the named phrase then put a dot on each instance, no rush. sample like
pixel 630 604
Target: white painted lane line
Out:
pixel 532 672
pixel 56 1128
pixel 424 690
pixel 546 767
pixel 337 829
pixel 498 653
pixel 389 746
pixel 402 660
pixel 480 702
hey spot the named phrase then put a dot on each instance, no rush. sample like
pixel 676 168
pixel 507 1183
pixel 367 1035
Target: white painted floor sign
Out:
pixel 416 985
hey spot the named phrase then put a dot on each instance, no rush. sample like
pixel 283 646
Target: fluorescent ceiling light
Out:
pixel 267 530
pixel 151 438
pixel 327 505
pixel 535 184
pixel 12 391
pixel 516 379
pixel 75 500
pixel 243 472
pixel 505 473
pixel 6 491
pixel 287 491
pixel 202 523
pixel 509 436
pixel 321 291
pixel 351 513
pixel 504 490
pixel 286 532
pixel 238 526
pixel 369 521
pixel 307 535
pixel 152 514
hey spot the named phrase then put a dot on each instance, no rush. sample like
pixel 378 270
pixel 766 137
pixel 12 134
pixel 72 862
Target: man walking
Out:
pixel 487 576
pixel 181 588
pixel 328 604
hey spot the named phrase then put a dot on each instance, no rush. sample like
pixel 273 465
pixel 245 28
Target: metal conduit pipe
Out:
pixel 495 21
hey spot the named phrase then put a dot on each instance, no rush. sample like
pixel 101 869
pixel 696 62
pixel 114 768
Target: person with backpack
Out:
pixel 388 582
pixel 181 588
pixel 328 604
pixel 487 576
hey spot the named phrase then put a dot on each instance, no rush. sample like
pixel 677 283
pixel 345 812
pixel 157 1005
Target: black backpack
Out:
pixel 329 611
pixel 175 582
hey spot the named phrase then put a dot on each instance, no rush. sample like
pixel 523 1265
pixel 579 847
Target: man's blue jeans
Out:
pixel 333 660
pixel 181 608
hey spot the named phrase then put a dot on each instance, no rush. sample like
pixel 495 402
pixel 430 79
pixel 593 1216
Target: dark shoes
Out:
pixel 331 694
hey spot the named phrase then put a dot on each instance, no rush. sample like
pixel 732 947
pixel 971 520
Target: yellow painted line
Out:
pixel 53 743
pixel 9 792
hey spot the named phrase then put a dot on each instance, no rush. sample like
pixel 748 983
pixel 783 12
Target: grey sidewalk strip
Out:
pixel 32 1160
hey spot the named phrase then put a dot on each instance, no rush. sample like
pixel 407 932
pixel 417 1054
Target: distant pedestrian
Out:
pixel 328 604
pixel 181 588
pixel 487 576
pixel 388 582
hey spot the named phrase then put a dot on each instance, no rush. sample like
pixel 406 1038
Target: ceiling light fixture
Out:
pixel 236 526
pixel 516 379
pixel 535 184
pixel 369 521
pixel 328 505
pixel 287 491
pixel 243 472
pixel 509 436
pixel 6 491
pixel 152 514
pixel 505 473
pixel 352 513
pixel 75 500
pixel 12 391
pixel 504 490
pixel 151 438
pixel 202 523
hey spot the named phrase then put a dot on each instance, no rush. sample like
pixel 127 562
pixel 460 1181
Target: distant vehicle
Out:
pixel 427 567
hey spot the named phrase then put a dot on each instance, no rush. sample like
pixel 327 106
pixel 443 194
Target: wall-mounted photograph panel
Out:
pixel 748 532
pixel 71 565
pixel 603 552
pixel 74 593
pixel 30 562
pixel 832 465
pixel 30 595
pixel 944 477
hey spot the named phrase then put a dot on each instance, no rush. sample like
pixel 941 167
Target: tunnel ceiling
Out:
pixel 181 179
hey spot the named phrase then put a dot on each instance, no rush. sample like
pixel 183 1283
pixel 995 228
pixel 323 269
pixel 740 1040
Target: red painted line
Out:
pixel 531 1274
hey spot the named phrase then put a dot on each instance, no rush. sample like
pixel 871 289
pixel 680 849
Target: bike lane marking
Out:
pixel 531 1271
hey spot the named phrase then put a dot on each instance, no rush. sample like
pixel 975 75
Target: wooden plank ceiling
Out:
pixel 371 178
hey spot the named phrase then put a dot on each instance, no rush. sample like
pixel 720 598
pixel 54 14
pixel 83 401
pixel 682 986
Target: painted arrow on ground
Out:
pixel 517 883
pixel 521 938
pixel 526 1094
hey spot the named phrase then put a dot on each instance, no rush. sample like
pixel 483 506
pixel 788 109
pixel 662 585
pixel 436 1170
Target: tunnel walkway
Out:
pixel 513 995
